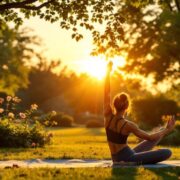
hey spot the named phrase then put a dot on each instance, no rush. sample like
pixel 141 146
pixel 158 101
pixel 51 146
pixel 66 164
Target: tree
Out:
pixel 43 84
pixel 152 38
pixel 71 14
pixel 15 52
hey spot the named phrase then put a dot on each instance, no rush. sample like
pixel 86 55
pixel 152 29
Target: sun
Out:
pixel 96 66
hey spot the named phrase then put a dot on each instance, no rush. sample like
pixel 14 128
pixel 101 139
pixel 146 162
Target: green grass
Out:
pixel 72 143
pixel 90 173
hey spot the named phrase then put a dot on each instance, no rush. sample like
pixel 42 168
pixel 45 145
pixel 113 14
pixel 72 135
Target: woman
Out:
pixel 118 130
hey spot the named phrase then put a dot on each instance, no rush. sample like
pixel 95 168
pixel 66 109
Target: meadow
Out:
pixel 76 143
pixel 80 143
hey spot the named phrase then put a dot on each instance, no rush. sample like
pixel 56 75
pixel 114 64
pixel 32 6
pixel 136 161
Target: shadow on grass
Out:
pixel 166 173
pixel 146 173
pixel 124 173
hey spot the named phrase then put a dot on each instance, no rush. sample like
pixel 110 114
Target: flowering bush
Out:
pixel 16 131
pixel 60 119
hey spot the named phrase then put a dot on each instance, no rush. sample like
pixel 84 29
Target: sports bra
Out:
pixel 116 137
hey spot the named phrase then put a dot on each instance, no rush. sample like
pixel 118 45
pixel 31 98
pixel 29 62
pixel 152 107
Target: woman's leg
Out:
pixel 146 145
pixel 151 157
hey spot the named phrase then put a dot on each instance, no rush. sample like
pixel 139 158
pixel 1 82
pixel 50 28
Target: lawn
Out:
pixel 90 173
pixel 75 143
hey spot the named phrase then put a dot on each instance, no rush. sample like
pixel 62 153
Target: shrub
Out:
pixel 21 135
pixel 148 112
pixel 59 120
pixel 16 130
pixel 173 138
pixel 94 124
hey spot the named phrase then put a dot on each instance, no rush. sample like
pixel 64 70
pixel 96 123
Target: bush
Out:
pixel 148 112
pixel 15 127
pixel 59 120
pixel 21 135
pixel 94 124
pixel 173 138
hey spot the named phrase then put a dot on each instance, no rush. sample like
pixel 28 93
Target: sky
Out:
pixel 58 44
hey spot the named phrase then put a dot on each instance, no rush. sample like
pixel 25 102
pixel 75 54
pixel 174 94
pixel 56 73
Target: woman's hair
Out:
pixel 121 102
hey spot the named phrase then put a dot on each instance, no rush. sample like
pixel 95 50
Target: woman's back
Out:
pixel 116 132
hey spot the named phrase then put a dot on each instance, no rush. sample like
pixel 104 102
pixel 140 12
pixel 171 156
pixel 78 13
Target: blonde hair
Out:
pixel 121 102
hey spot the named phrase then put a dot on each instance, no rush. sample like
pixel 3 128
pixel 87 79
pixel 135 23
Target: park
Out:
pixel 89 89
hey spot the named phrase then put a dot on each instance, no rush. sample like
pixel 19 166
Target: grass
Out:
pixel 90 173
pixel 72 143
pixel 80 143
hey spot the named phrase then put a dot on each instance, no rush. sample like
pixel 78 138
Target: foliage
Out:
pixel 71 15
pixel 52 85
pixel 9 109
pixel 94 124
pixel 152 38
pixel 59 119
pixel 148 112
pixel 17 135
pixel 15 52
pixel 16 131
pixel 173 138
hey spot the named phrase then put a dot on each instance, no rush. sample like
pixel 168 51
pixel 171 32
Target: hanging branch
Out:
pixel 23 5
pixel 177 5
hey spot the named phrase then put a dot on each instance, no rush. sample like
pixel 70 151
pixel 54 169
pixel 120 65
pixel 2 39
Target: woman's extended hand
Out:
pixel 171 123
pixel 109 66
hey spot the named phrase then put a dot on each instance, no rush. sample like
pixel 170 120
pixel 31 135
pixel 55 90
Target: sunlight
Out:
pixel 96 66
pixel 118 61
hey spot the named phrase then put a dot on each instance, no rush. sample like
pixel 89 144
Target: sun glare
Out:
pixel 96 66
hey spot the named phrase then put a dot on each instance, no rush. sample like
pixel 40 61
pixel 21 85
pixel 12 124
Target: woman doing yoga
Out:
pixel 118 130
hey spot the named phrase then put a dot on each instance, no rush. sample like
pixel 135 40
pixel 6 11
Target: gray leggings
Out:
pixel 142 154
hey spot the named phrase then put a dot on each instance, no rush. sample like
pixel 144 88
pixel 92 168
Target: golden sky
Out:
pixel 58 43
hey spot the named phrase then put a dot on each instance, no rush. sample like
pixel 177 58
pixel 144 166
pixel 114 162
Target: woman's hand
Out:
pixel 109 66
pixel 171 123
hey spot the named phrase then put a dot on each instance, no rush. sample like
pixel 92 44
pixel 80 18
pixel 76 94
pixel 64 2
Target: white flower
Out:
pixel 1 110
pixel 5 67
pixel 11 115
pixel 34 106
pixel 1 100
pixel 22 115
pixel 53 113
pixel 8 98
pixel 16 99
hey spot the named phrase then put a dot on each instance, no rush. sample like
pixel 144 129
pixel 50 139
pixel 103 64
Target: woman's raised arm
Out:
pixel 107 91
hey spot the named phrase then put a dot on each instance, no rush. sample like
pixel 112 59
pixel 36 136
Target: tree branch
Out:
pixel 177 5
pixel 37 7
pixel 15 5
pixel 169 5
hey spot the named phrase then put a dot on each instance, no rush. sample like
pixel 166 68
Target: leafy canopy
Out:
pixel 152 38
pixel 15 51
pixel 71 14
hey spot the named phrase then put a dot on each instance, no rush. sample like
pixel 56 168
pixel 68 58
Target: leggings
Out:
pixel 142 154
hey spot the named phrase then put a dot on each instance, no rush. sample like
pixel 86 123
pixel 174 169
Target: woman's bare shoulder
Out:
pixel 108 118
pixel 130 123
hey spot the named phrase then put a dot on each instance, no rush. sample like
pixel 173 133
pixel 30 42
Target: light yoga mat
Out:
pixel 79 163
